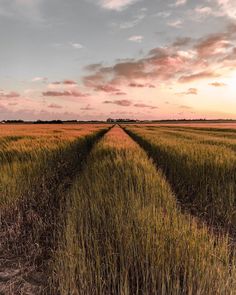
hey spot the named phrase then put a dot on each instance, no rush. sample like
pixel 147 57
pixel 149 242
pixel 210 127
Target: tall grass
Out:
pixel 30 151
pixel 32 194
pixel 125 235
pixel 202 173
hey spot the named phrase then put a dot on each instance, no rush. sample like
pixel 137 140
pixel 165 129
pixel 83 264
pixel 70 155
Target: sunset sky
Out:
pixel 95 59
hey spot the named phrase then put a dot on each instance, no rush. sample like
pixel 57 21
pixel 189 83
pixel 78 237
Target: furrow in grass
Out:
pixel 30 221
pixel 202 175
pixel 124 234
pixel 221 139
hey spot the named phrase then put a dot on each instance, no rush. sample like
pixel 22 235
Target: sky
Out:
pixel 99 59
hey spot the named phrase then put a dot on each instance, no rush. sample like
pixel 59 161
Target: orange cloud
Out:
pixel 54 106
pixel 197 76
pixel 217 84
pixel 190 91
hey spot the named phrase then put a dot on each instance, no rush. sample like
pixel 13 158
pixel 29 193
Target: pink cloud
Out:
pixel 106 88
pixel 69 82
pixel 170 63
pixel 197 76
pixel 123 102
pixel 140 85
pixel 54 106
pixel 212 45
pixel 74 93
pixel 11 94
pixel 120 93
pixel 143 105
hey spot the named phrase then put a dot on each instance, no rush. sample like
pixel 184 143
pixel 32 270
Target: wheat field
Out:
pixel 117 210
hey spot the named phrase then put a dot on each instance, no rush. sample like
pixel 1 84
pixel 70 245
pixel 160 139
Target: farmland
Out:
pixel 117 210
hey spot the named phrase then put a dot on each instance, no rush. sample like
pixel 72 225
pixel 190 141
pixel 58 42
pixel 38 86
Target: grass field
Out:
pixel 147 210
pixel 200 165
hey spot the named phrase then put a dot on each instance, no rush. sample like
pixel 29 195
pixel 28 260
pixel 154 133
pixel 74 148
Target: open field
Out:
pixel 147 210
pixel 207 124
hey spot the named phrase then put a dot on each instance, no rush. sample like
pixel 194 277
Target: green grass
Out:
pixel 124 233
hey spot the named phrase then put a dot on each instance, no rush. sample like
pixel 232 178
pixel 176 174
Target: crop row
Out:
pixel 202 173
pixel 32 196
pixel 125 234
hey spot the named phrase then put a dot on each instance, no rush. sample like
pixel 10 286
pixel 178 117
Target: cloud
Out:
pixel 127 103
pixel 106 88
pixel 197 76
pixel 65 82
pixel 164 14
pixel 93 67
pixel 120 93
pixel 206 11
pixel 54 106
pixel 117 5
pixel 123 102
pixel 136 38
pixel 39 79
pixel 143 105
pixel 77 45
pixel 228 8
pixel 180 42
pixel 190 91
pixel 213 45
pixel 74 93
pixel 176 24
pixel 204 58
pixel 178 3
pixel 136 19
pixel 217 84
pixel 11 94
pixel 140 85
pixel 69 82
pixel 160 63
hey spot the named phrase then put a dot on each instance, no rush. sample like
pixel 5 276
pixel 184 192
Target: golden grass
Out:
pixel 35 175
pixel 25 148
pixel 200 166
pixel 125 235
